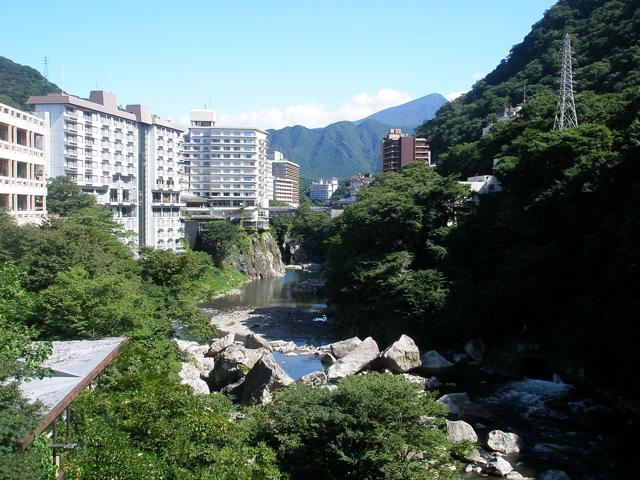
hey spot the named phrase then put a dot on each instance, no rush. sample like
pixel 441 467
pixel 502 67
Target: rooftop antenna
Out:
pixel 566 116
pixel 45 60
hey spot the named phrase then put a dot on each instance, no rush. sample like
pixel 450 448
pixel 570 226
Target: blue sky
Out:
pixel 267 63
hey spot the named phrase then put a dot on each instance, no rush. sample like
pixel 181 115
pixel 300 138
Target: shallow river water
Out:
pixel 562 427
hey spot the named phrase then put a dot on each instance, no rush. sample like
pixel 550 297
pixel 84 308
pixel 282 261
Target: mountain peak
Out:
pixel 410 114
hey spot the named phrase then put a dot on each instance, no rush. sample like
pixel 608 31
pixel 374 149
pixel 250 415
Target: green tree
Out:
pixel 220 239
pixel 372 426
pixel 310 230
pixel 65 197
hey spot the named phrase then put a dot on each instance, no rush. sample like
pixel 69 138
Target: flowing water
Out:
pixel 562 427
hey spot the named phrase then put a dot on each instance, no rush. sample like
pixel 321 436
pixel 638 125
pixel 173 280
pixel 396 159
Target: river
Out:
pixel 562 427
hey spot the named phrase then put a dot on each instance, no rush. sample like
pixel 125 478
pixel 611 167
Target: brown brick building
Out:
pixel 399 149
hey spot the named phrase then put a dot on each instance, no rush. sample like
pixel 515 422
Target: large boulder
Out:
pixel 553 475
pixel 459 431
pixel 314 379
pixel 475 349
pixel 456 402
pixel 265 376
pixel 498 466
pixel 357 360
pixel 504 442
pixel 344 347
pixel 283 346
pixel 434 360
pixel 256 341
pixel 232 364
pixel 327 359
pixel 190 376
pixel 219 344
pixel 403 355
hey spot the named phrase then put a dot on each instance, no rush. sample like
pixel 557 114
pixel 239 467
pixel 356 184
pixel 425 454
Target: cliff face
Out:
pixel 262 258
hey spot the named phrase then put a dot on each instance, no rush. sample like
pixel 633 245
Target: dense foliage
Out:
pixel 376 426
pixel 64 197
pixel 385 257
pixel 553 260
pixel 18 82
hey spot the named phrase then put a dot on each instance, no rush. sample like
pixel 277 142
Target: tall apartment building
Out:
pixel 228 166
pixel 127 157
pixel 286 180
pixel 323 189
pixel 399 149
pixel 24 163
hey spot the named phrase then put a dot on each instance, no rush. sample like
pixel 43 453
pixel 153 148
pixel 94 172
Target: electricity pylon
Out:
pixel 566 116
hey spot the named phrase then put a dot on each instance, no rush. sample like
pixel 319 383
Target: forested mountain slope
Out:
pixel 18 82
pixel 552 264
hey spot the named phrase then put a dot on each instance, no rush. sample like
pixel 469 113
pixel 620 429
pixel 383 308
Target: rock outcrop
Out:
pixel 498 466
pixel 434 360
pixel 219 344
pixel 504 442
pixel 190 376
pixel 456 402
pixel 459 431
pixel 265 376
pixel 314 379
pixel 357 360
pixel 253 341
pixel 344 347
pixel 403 355
pixel 475 349
pixel 231 366
pixel 262 257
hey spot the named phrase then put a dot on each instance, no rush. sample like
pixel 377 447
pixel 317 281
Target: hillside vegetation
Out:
pixel 554 261
pixel 18 82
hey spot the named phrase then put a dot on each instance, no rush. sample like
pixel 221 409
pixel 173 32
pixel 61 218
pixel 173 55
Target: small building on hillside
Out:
pixel 481 185
pixel 359 181
pixel 323 189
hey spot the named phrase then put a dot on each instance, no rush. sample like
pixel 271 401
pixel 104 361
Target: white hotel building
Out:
pixel 228 166
pixel 24 161
pixel 128 158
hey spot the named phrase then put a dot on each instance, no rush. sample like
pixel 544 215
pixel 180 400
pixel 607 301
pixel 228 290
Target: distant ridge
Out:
pixel 345 148
pixel 411 114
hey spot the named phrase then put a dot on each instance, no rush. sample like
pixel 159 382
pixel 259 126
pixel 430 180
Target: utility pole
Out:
pixel 566 116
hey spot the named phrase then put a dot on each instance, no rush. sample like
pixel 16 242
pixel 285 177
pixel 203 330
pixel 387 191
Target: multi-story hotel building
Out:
pixel 323 189
pixel 24 161
pixel 399 149
pixel 286 180
pixel 127 157
pixel 228 166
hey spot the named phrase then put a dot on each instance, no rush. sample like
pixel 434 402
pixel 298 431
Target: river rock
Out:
pixel 283 346
pixel 517 476
pixel 220 344
pixel 314 379
pixel 403 355
pixel 433 359
pixel 498 466
pixel 358 359
pixel 265 376
pixel 475 349
pixel 459 431
pixel 474 456
pixel 553 475
pixel 456 402
pixel 460 358
pixel 344 347
pixel 232 364
pixel 257 341
pixel 190 376
pixel 504 442
pixel 327 359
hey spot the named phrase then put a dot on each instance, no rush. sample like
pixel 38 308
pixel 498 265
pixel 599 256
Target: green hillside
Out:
pixel 338 150
pixel 556 258
pixel 18 82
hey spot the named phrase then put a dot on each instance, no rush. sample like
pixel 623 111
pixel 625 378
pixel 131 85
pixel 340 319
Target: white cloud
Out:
pixel 312 114
pixel 453 95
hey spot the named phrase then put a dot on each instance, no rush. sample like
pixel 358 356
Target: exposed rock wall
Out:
pixel 262 257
